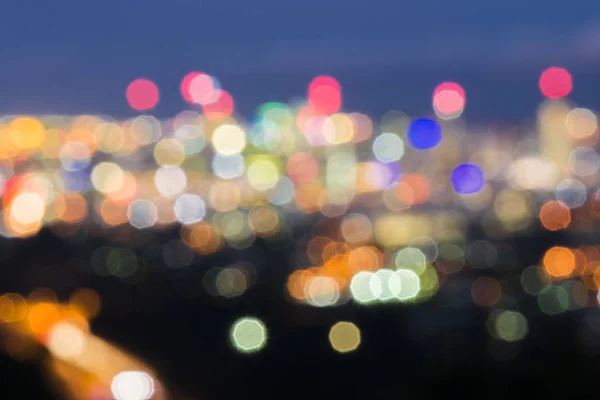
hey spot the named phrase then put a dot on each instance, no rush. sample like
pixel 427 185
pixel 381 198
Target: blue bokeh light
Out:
pixel 467 179
pixel 424 134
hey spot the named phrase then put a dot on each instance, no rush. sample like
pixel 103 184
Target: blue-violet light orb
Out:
pixel 467 179
pixel 424 134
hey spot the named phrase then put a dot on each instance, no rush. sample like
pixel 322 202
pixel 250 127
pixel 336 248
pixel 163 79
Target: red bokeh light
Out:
pixel 11 188
pixel 556 82
pixel 448 102
pixel 199 88
pixel 325 95
pixel 449 99
pixel 450 87
pixel 185 85
pixel 203 89
pixel 221 108
pixel 142 94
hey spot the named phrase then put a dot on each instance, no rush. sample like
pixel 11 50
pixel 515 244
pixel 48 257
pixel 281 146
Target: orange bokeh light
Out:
pixel 554 215
pixel 559 261
pixel 42 316
pixel 413 189
pixel 365 258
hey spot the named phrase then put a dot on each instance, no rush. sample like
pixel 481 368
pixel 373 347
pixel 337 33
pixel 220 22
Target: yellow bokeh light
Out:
pixel 169 152
pixel 338 129
pixel 109 137
pixel 228 139
pixel 107 177
pixel 27 133
pixel 262 174
pixel 344 337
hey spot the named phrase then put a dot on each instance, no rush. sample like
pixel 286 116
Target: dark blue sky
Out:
pixel 75 56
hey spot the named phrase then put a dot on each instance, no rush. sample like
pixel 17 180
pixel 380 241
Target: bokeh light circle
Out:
pixel 248 335
pixel 467 179
pixel 142 94
pixel 556 82
pixel 449 100
pixel 571 192
pixel 189 209
pixel 344 337
pixel 324 95
pixel 424 134
pixel 388 147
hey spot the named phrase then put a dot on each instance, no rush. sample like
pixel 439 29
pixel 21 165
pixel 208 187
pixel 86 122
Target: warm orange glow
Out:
pixel 8 149
pixel 298 280
pixel 20 229
pixel 127 192
pixel 201 237
pixel 580 261
pixel 307 197
pixel 42 316
pixel 75 318
pixel 365 258
pixel 70 207
pixel 113 213
pixel 338 269
pixel 27 133
pixel 594 277
pixel 554 215
pixel 334 249
pixel 53 142
pixel 84 136
pixel 413 189
pixel 559 261
pixel 302 167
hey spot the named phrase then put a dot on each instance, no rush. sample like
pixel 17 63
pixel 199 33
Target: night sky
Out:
pixel 71 57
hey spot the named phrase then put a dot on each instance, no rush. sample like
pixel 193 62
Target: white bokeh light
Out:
pixel 388 147
pixel 142 213
pixel 571 192
pixel 170 181
pixel 132 385
pixel 189 209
